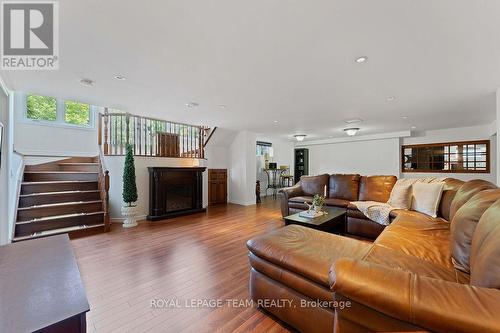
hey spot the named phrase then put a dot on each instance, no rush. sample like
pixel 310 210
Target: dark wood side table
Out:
pixel 333 222
pixel 40 287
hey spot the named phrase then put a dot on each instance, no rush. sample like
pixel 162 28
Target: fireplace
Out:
pixel 174 192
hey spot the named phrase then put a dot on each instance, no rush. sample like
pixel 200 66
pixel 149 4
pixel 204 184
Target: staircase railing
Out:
pixel 103 183
pixel 151 137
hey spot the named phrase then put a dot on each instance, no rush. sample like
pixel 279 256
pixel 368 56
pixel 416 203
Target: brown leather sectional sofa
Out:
pixel 420 274
pixel 341 190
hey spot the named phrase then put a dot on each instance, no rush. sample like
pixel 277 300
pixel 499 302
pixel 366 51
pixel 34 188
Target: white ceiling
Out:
pixel 286 60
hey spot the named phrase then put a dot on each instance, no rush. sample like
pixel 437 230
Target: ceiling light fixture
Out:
pixel 87 82
pixel 192 104
pixel 351 131
pixel 361 60
pixel 413 127
pixel 300 137
pixel 353 121
pixel 120 77
pixel 390 99
pixel 275 121
pixel 404 117
pixel 222 106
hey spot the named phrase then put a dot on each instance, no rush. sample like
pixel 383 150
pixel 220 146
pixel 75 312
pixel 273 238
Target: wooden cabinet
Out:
pixel 217 186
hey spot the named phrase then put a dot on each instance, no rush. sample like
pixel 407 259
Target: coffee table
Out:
pixel 333 222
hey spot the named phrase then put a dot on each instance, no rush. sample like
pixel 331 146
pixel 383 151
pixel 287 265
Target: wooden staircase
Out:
pixel 67 196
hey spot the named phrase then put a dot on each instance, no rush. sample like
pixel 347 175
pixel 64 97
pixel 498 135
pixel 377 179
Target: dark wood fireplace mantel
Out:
pixel 175 191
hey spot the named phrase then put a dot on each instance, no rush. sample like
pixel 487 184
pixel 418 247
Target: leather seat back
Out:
pixel 344 187
pixel 467 191
pixel 485 252
pixel 451 187
pixel 464 224
pixel 376 188
pixel 312 185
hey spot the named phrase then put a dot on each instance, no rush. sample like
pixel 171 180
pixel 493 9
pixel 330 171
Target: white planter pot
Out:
pixel 130 214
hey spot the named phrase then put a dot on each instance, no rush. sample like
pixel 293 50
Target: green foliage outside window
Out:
pixel 41 107
pixel 77 113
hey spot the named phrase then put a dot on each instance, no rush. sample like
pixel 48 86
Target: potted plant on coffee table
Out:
pixel 129 194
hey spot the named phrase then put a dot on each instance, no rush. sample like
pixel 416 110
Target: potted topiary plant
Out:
pixel 129 211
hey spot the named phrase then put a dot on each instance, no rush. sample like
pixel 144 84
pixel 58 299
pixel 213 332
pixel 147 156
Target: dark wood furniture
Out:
pixel 41 288
pixel 175 191
pixel 167 144
pixel 301 163
pixel 217 186
pixel 333 222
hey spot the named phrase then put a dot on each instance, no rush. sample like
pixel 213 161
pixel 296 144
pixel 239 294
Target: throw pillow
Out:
pixel 426 197
pixel 401 196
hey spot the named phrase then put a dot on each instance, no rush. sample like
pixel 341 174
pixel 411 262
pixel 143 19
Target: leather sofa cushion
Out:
pixel 344 187
pixel 356 213
pixel 467 191
pixel 363 227
pixel 298 202
pixel 485 253
pixel 464 224
pixel 306 251
pixel 451 186
pixel 312 185
pixel 376 188
pixel 394 259
pixel 419 235
pixel 336 202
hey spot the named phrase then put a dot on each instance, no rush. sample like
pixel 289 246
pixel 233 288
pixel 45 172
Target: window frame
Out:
pixel 60 120
pixel 444 144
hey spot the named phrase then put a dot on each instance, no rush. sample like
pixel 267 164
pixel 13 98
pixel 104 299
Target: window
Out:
pixel 41 108
pixel 264 148
pixel 452 157
pixel 50 110
pixel 76 113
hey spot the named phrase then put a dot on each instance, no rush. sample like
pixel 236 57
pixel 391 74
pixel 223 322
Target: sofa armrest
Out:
pixel 289 192
pixel 437 305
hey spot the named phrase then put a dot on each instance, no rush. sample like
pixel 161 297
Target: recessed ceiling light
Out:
pixel 361 60
pixel 222 106
pixel 351 131
pixel 275 121
pixel 87 82
pixel 353 121
pixel 413 127
pixel 192 104
pixel 404 117
pixel 120 77
pixel 390 98
pixel 300 137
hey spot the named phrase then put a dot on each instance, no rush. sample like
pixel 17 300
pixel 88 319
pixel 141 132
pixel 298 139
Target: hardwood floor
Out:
pixel 202 256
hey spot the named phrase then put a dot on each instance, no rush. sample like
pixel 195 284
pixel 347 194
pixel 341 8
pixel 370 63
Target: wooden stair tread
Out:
pixel 75 163
pixel 57 204
pixel 59 182
pixel 57 217
pixel 57 193
pixel 62 172
pixel 58 231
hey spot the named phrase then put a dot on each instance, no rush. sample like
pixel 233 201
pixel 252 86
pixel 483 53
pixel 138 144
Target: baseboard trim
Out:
pixel 140 218
pixel 54 153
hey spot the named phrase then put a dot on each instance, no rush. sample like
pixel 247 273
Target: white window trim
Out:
pixel 60 115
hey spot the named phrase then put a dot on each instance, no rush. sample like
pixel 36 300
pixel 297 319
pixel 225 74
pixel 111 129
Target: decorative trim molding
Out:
pixel 392 135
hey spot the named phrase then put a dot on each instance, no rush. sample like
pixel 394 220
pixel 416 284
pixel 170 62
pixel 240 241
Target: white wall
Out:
pixel 373 157
pixel 33 138
pixel 242 173
pixel 382 156
pixel 5 119
pixel 457 134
